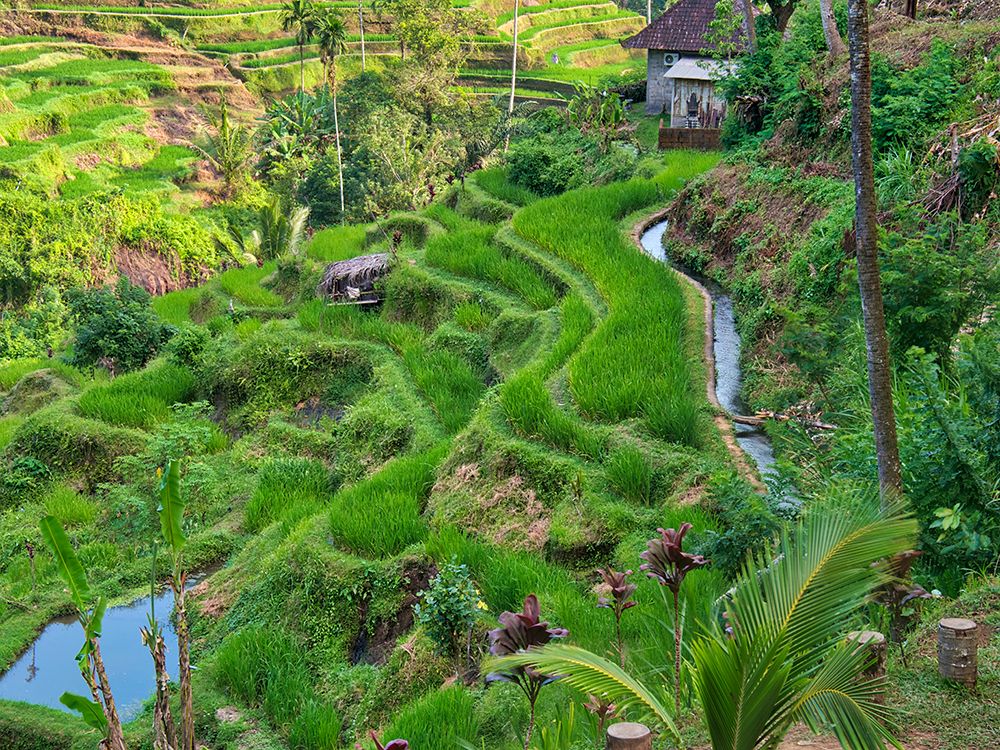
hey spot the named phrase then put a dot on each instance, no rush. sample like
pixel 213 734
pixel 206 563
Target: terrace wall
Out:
pixel 702 139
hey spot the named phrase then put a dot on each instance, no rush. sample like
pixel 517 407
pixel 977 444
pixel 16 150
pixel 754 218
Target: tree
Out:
pixel 277 232
pixel 297 16
pixel 749 24
pixel 99 713
pixel 784 658
pixel 229 149
pixel 361 29
pixel 781 11
pixel 830 31
pixel 513 72
pixel 332 37
pixel 910 9
pixel 866 243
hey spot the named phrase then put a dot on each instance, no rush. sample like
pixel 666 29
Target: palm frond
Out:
pixel 296 229
pixel 593 675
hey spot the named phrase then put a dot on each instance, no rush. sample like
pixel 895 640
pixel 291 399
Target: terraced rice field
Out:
pixel 74 120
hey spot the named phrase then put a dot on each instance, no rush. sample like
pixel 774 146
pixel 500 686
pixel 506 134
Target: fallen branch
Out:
pixel 761 417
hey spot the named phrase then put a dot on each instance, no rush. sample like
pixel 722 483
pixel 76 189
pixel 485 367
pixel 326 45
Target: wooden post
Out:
pixel 628 735
pixel 958 650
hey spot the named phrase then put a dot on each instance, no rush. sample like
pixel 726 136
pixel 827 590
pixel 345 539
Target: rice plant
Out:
pixel 288 489
pixel 440 719
pixel 70 507
pixel 337 243
pixel 244 285
pixel 631 474
pixel 635 363
pixel 175 307
pixel 495 182
pixel 139 399
pixel 473 253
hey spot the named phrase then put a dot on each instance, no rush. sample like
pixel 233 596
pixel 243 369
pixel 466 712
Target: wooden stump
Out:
pixel 958 650
pixel 628 735
pixel 875 647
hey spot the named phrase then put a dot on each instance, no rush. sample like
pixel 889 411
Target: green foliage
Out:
pixel 288 489
pixel 139 399
pixel 69 507
pixel 631 474
pixel 448 608
pixel 115 326
pixel 439 719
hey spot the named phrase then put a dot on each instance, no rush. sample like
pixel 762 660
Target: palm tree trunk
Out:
pixel 361 26
pixel 513 77
pixel 649 11
pixel 833 41
pixel 336 130
pixel 302 68
pixel 748 23
pixel 866 229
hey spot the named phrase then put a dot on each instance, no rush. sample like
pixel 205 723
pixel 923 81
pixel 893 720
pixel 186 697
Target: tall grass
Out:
pixel 8 426
pixel 70 507
pixel 438 720
pixel 337 243
pixel 631 474
pixel 472 253
pixel 380 516
pixel 244 285
pixel 288 489
pixel 530 408
pixel 139 399
pixel 265 668
pixel 495 182
pixel 175 307
pixel 635 364
pixel 14 369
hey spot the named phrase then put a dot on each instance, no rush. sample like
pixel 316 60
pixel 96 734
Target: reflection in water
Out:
pixel 728 376
pixel 49 668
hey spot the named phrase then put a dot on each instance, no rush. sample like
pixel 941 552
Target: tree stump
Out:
pixel 958 650
pixel 875 647
pixel 628 735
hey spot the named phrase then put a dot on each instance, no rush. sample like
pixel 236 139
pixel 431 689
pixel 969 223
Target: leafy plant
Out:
pixel 667 564
pixel 620 591
pixel 99 712
pixel 785 659
pixel 448 607
pixel 519 632
pixel 229 149
pixel 391 745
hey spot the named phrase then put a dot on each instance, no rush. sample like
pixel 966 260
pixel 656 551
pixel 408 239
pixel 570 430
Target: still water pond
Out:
pixel 48 668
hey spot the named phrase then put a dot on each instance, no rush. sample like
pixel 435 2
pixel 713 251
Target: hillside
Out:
pixel 375 405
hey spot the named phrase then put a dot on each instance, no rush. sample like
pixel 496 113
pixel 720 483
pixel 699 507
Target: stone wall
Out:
pixel 704 139
pixel 659 90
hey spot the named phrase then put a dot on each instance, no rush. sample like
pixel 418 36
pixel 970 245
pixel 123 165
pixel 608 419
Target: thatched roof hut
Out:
pixel 353 280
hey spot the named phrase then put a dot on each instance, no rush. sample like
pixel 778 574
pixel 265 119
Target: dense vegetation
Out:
pixel 392 503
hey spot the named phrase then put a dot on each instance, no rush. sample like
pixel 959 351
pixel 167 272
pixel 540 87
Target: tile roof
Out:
pixel 681 28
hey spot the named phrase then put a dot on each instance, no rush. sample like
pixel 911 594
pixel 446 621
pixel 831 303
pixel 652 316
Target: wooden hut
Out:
pixel 352 281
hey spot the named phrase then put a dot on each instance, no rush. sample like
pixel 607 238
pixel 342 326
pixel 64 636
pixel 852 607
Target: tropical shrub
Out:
pixel 448 608
pixel 115 327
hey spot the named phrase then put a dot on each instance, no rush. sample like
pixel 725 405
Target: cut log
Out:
pixel 958 646
pixel 761 417
pixel 628 735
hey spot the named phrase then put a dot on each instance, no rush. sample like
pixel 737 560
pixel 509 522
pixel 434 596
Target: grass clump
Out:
pixel 139 399
pixel 265 668
pixel 244 285
pixel 496 182
pixel 630 474
pixel 71 508
pixel 337 243
pixel 288 489
pixel 439 720
pixel 380 516
pixel 472 253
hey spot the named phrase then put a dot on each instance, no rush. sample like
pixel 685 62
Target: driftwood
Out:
pixel 761 417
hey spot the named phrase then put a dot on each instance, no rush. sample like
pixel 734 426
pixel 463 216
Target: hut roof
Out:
pixel 353 272
pixel 682 28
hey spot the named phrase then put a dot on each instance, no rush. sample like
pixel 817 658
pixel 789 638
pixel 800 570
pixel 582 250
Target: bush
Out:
pixel 448 608
pixel 115 327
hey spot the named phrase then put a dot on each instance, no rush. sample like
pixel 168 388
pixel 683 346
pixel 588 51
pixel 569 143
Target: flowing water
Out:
pixel 48 668
pixel 726 344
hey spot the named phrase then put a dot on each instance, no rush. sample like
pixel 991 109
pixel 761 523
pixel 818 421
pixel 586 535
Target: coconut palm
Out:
pixel 297 16
pixel 784 658
pixel 331 33
pixel 866 244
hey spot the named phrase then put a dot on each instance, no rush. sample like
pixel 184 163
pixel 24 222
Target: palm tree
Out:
pixel 866 241
pixel 833 41
pixel 784 659
pixel 229 149
pixel 277 233
pixel 297 16
pixel 332 37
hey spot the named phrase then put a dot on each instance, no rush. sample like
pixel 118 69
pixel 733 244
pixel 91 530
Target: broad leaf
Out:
pixel 92 713
pixel 67 562
pixel 172 507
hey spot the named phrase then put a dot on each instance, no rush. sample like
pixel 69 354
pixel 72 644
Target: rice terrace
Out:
pixel 499 374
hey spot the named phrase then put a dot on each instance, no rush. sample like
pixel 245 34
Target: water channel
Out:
pixel 726 345
pixel 48 668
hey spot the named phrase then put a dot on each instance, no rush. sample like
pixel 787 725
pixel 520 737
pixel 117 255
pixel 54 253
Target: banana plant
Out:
pixel 164 729
pixel 786 659
pixel 98 711
pixel 171 511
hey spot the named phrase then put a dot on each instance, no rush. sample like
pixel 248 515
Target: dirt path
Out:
pixel 722 421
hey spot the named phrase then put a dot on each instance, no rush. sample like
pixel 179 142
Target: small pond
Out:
pixel 728 375
pixel 48 668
